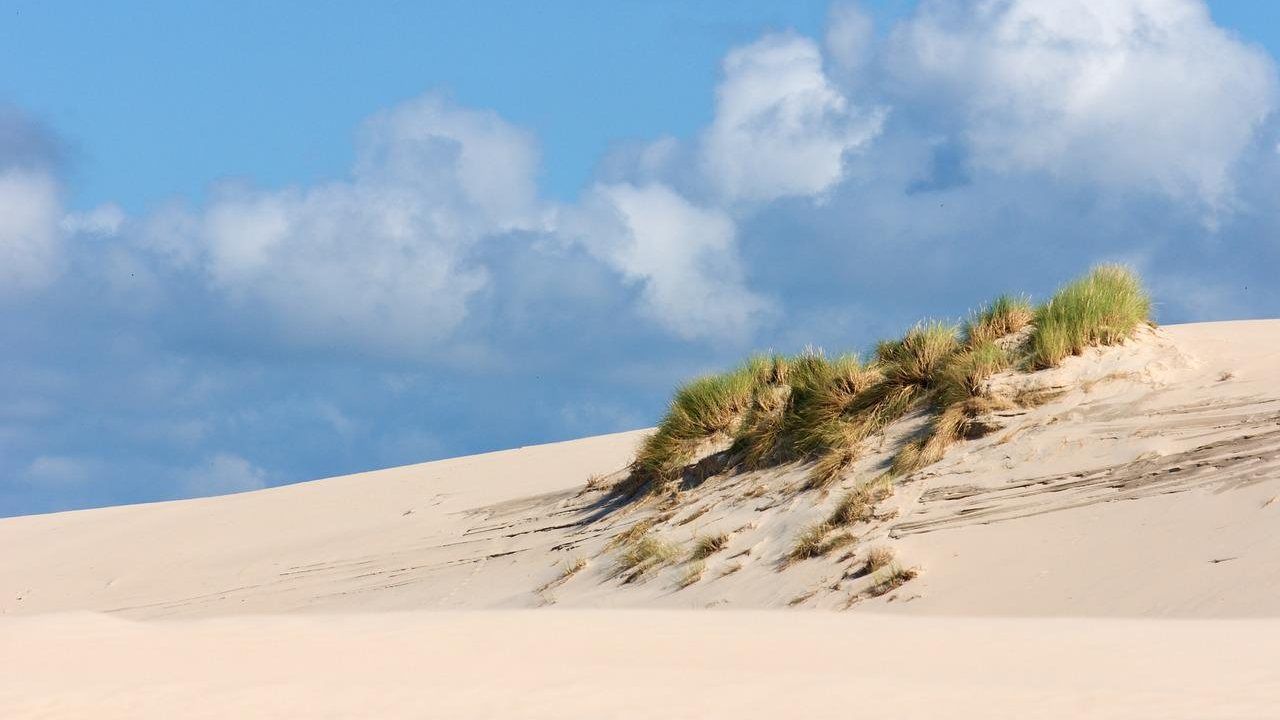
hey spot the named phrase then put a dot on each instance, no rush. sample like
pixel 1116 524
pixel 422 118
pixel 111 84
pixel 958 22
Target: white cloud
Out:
pixel 57 470
pixel 384 257
pixel 781 127
pixel 221 474
pixel 102 221
pixel 1131 93
pixel 30 237
pixel 849 37
pixel 683 256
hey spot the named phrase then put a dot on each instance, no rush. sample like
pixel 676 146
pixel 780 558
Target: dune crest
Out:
pixel 1151 464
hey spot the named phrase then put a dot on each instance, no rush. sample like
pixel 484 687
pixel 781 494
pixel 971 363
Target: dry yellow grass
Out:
pixel 809 543
pixel 859 504
pixel 692 574
pixel 879 557
pixel 891 578
pixel 707 545
pixel 645 554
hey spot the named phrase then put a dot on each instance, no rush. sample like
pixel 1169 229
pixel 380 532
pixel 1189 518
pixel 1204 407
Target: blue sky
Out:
pixel 243 244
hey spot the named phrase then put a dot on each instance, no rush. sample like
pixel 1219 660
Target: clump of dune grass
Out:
pixel 959 396
pixel 891 578
pixel 859 504
pixel 1004 316
pixel 879 557
pixel 915 360
pixel 692 574
pixel 837 541
pixel 731 568
pixel 792 416
pixel 703 409
pixel 817 540
pixel 1104 307
pixel 809 542
pixel 645 554
pixel 907 371
pixel 637 530
pixel 707 545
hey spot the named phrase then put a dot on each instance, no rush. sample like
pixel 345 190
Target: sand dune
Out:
pixel 1111 552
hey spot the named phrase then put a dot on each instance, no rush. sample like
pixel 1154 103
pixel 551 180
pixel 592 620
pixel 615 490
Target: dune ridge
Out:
pixel 1110 552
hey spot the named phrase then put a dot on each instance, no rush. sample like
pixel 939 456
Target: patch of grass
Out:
pixel 701 410
pixel 637 530
pixel 859 504
pixel 571 568
pixel 731 568
pixel 879 557
pixel 1104 307
pixel 833 463
pixel 1004 316
pixel 691 575
pixel 959 396
pixel 809 543
pixel 908 369
pixel 837 541
pixel 890 579
pixel 914 360
pixel 708 545
pixel 964 375
pixel 645 554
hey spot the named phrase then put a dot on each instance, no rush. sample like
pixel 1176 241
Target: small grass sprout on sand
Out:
pixel 879 557
pixel 707 545
pixel 859 504
pixel 809 542
pixel 692 574
pixel 891 578
pixel 644 555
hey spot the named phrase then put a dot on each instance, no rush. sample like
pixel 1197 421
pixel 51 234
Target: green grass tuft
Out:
pixel 701 410
pixel 809 543
pixel 1104 307
pixel 1004 316
pixel 646 553
pixel 859 504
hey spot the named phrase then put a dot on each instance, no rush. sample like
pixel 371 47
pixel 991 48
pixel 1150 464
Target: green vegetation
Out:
pixel 809 543
pixel 810 408
pixel 1006 315
pixel 646 553
pixel 1104 307
pixel 859 504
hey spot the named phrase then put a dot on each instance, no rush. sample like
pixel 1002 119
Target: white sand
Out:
pixel 1112 553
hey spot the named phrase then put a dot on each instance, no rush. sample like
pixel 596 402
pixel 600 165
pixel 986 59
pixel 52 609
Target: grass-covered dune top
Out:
pixel 810 407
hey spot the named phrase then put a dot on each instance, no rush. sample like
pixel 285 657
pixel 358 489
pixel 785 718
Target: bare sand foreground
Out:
pixel 1112 552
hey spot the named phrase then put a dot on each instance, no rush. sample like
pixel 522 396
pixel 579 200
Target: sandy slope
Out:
pixel 1146 488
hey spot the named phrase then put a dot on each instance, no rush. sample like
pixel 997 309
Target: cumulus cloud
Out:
pixel 30 235
pixel 383 257
pixel 849 39
pixel 102 221
pixel 682 255
pixel 781 128
pixel 1146 94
